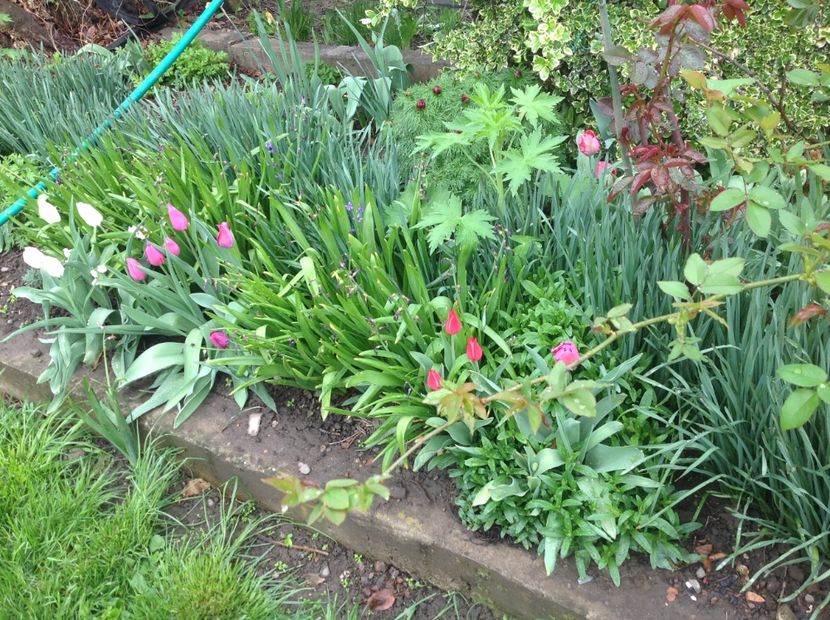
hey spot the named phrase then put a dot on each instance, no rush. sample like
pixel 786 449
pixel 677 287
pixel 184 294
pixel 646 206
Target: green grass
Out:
pixel 79 536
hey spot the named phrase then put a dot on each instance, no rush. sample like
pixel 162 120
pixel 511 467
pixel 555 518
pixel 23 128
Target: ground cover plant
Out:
pixel 572 331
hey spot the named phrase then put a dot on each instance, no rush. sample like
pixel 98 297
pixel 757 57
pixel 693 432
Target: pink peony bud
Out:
pixel 434 380
pixel 178 220
pixel 219 339
pixel 154 256
pixel 566 352
pixel 171 246
pixel 135 270
pixel 474 352
pixel 453 324
pixel 588 143
pixel 225 237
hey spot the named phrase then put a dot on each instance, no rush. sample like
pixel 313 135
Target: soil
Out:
pixel 14 312
pixel 332 449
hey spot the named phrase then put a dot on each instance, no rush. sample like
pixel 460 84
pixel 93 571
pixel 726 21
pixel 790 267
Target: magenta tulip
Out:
pixel 135 270
pixel 225 237
pixel 178 220
pixel 171 246
pixel 219 339
pixel 154 255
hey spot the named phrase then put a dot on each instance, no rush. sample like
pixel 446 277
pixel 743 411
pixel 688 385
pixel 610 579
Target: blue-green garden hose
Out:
pixel 133 97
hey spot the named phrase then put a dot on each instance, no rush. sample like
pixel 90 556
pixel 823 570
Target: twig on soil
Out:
pixel 297 547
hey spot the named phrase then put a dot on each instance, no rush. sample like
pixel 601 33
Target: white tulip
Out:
pixel 52 266
pixel 38 260
pixel 47 211
pixel 33 257
pixel 89 214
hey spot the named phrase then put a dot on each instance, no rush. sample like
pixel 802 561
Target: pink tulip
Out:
pixel 219 339
pixel 453 324
pixel 178 220
pixel 154 256
pixel 434 380
pixel 588 143
pixel 225 237
pixel 474 352
pixel 171 246
pixel 566 352
pixel 602 166
pixel 135 270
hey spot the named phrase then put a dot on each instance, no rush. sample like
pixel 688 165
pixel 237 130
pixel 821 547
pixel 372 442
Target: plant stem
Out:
pixel 417 443
pixel 614 82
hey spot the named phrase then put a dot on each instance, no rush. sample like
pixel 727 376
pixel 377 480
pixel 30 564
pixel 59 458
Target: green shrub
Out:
pixel 197 63
pixel 452 169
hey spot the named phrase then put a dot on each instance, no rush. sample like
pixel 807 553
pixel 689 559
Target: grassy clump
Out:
pixel 79 535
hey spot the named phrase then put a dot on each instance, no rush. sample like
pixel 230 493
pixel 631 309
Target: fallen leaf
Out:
pixel 381 600
pixel 194 487
pixel 314 580
pixel 704 549
pixel 751 597
pixel 717 556
pixel 671 594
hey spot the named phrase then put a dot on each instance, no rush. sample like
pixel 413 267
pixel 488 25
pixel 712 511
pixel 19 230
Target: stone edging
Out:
pixel 245 51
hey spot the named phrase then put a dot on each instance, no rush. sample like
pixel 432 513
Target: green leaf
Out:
pixel 803 77
pixel 823 280
pixel 728 86
pixel 533 104
pixel 820 170
pixel 534 154
pixel 767 197
pixel 823 392
pixel 802 375
pixel 580 402
pixel 791 222
pixel 156 358
pixel 695 269
pixel 759 219
pixel 604 458
pixel 798 408
pixel 618 311
pixel 675 289
pixel 336 498
pixel 728 199
pixel 445 219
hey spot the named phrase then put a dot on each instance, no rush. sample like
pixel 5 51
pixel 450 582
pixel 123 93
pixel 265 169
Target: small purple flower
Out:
pixel 359 215
pixel 349 206
pixel 269 146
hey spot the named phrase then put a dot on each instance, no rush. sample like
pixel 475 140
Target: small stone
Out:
pixel 380 566
pixel 714 600
pixel 303 469
pixel 701 573
pixel 323 449
pixel 4 269
pixel 693 597
pixel 693 585
pixel 809 599
pixel 785 613
pixel 325 571
pixel 211 503
pixel 37 353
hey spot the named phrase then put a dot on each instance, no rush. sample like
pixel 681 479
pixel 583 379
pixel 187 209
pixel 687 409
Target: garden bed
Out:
pixel 418 529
